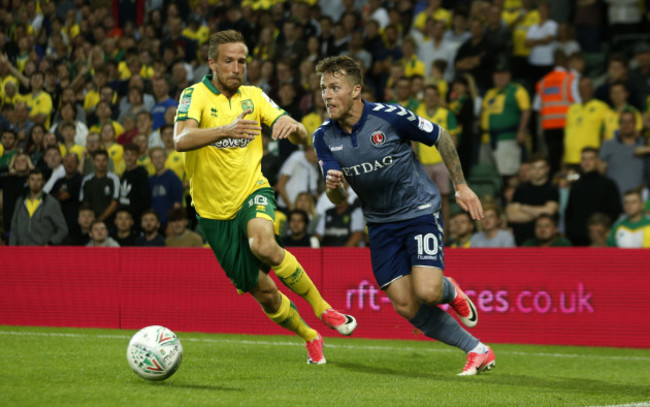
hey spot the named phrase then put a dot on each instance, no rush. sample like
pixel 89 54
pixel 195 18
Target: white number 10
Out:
pixel 427 244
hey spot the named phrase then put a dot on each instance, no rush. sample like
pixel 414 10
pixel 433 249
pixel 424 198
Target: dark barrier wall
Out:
pixel 538 296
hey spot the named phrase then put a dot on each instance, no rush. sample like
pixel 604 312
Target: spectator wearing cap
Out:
pixel 180 235
pixel 504 117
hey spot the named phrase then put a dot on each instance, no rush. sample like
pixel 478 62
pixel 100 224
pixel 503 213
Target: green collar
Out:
pixel 207 81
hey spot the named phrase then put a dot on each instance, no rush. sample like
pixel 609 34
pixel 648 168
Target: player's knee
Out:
pixel 405 309
pixel 267 250
pixel 431 295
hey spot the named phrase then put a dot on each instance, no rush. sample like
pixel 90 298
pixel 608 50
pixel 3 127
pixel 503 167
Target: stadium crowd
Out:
pixel 549 102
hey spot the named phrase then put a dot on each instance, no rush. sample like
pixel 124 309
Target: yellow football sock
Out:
pixel 293 276
pixel 288 318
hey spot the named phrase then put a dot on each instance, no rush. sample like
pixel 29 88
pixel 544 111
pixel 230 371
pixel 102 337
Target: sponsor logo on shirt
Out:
pixel 425 125
pixel 367 167
pixel 337 148
pixel 232 143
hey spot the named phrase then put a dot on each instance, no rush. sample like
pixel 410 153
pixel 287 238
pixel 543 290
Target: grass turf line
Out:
pixel 75 367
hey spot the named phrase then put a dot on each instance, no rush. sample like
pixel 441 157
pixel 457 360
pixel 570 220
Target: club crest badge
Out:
pixel 378 138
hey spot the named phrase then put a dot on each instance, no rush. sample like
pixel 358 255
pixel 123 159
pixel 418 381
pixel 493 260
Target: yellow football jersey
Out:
pixel 443 118
pixel 585 124
pixel 222 175
pixel 176 162
pixel 39 104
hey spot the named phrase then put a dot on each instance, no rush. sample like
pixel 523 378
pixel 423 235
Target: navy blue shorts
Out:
pixel 398 246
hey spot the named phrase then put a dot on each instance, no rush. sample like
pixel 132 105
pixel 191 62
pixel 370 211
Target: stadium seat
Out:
pixel 484 179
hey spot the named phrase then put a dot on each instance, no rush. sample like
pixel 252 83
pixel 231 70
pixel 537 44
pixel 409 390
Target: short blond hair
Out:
pixel 223 37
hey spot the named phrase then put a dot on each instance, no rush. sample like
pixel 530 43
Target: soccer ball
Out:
pixel 154 353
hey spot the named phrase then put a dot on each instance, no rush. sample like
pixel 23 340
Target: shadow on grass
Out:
pixel 552 383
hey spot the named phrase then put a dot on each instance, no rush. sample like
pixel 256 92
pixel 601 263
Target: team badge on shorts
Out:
pixel 377 138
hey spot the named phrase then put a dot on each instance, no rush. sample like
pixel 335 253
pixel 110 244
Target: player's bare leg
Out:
pixel 432 288
pixel 281 311
pixel 263 245
pixel 434 322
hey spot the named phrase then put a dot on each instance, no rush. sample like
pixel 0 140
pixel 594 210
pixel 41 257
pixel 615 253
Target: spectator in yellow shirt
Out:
pixel 38 101
pixel 585 123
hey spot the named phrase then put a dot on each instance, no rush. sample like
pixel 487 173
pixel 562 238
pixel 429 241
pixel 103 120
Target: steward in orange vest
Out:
pixel 556 97
pixel 556 92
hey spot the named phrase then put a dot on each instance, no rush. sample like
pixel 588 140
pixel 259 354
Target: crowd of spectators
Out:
pixel 548 102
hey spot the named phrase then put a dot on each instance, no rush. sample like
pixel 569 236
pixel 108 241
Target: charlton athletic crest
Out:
pixel 378 138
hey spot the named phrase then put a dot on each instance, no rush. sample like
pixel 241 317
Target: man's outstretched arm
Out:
pixel 465 197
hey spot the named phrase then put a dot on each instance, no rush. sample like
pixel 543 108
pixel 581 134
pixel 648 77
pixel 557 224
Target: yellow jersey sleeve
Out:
pixel 269 111
pixel 189 107
pixel 523 100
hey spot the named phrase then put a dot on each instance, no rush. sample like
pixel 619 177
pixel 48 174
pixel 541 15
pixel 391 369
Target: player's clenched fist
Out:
pixel 334 179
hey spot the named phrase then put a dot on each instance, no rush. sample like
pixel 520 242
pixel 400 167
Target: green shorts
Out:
pixel 229 239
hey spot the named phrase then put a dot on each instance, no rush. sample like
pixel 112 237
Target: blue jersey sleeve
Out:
pixel 409 126
pixel 325 158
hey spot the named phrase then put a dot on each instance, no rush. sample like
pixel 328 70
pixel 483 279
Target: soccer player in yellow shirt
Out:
pixel 218 128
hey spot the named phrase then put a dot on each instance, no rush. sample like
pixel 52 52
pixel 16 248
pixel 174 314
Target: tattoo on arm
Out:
pixel 449 155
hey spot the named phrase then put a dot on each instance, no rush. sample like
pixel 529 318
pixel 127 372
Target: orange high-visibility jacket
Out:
pixel 554 91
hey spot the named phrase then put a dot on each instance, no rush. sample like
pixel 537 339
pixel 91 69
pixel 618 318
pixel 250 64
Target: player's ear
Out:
pixel 356 92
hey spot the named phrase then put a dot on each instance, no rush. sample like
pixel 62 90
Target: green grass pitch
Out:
pixel 87 367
